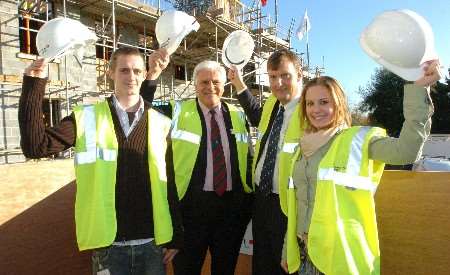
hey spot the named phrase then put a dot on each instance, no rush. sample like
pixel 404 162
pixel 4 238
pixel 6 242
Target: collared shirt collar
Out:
pixel 205 110
pixel 127 127
pixel 118 106
pixel 293 103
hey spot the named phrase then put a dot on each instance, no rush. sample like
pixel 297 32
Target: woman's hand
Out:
pixel 37 68
pixel 431 74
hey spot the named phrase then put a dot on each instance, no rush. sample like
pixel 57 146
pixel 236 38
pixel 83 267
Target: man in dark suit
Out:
pixel 211 154
pixel 278 136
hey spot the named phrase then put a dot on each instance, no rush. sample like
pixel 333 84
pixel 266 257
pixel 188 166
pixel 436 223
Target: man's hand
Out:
pixel 37 68
pixel 157 62
pixel 431 74
pixel 284 266
pixel 169 254
pixel 235 76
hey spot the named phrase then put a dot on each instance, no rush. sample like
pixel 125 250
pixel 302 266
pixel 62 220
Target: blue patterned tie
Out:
pixel 267 172
pixel 219 166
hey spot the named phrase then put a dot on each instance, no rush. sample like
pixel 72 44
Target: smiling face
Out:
pixel 284 80
pixel 320 107
pixel 324 105
pixel 209 87
pixel 128 74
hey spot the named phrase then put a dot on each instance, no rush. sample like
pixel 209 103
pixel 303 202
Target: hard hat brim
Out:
pixel 411 69
pixel 171 40
pixel 45 38
pixel 234 55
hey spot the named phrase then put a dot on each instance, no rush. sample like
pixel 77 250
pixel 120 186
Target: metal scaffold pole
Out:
pixel 260 88
pixel 217 49
pixel 114 25
pixel 65 71
pixel 276 23
pixel 105 68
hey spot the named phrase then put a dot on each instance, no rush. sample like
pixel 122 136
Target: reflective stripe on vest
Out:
pixel 186 136
pixel 180 134
pixel 290 147
pixel 347 180
pixel 259 135
pixel 90 131
pixel 92 154
pixel 355 157
pixel 241 137
pixel 351 177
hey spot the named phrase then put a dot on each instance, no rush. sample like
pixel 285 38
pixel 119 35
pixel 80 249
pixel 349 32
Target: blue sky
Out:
pixel 336 27
pixel 337 24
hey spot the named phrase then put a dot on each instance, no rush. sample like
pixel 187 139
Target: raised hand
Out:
pixel 37 68
pixel 235 77
pixel 157 62
pixel 431 74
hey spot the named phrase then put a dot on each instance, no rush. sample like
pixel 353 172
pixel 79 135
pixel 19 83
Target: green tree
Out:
pixel 383 102
pixel 191 6
pixel 441 101
pixel 359 118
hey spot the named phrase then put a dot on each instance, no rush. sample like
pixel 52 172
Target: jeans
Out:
pixel 307 267
pixel 144 259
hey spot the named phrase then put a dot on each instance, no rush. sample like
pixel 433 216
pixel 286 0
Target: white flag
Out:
pixel 304 27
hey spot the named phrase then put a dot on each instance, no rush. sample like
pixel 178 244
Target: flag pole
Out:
pixel 276 23
pixel 307 45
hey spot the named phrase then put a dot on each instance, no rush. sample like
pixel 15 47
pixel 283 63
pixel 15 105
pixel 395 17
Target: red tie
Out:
pixel 219 166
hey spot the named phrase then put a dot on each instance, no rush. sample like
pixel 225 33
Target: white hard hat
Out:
pixel 61 36
pixel 237 49
pixel 171 28
pixel 401 41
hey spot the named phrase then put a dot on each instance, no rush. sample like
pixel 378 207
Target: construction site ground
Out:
pixel 37 230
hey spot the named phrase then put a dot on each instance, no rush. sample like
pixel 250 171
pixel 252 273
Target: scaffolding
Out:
pixel 107 18
pixel 223 17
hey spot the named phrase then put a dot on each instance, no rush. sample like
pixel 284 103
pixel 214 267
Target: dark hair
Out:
pixel 276 57
pixel 123 51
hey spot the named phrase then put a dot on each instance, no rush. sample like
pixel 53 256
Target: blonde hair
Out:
pixel 341 113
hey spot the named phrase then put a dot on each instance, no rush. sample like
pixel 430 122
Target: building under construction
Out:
pixel 37 198
pixel 121 23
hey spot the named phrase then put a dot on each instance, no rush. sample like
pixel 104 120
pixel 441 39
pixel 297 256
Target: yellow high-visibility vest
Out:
pixel 292 248
pixel 186 135
pixel 343 235
pixel 96 150
pixel 288 149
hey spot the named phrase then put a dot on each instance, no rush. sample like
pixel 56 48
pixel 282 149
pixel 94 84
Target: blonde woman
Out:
pixel 336 175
